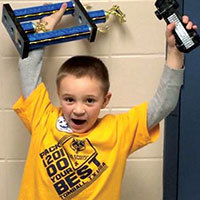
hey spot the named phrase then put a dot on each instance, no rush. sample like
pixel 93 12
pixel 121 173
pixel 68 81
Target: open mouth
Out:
pixel 78 121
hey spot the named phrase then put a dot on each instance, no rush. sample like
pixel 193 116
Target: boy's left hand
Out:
pixel 169 31
pixel 174 56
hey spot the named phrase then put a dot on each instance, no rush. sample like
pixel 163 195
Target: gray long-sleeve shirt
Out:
pixel 160 106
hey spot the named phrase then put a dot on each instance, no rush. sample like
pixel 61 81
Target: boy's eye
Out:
pixel 90 100
pixel 69 99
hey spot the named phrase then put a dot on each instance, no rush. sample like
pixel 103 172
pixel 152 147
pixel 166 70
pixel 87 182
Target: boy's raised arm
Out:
pixel 30 71
pixel 30 67
pixel 167 94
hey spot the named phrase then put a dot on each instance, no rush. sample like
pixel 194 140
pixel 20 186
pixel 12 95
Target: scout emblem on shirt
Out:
pixel 78 145
pixel 79 151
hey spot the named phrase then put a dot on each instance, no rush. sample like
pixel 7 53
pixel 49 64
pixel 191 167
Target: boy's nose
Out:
pixel 79 110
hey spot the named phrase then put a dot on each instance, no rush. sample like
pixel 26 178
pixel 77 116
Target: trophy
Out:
pixel 24 33
pixel 186 40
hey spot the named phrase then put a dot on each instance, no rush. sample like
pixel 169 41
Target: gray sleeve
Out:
pixel 30 71
pixel 166 97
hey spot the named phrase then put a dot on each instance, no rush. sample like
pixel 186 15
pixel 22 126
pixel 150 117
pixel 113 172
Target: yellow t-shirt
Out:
pixel 62 165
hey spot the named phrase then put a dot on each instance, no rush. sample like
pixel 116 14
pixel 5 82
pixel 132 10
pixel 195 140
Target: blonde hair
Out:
pixel 80 66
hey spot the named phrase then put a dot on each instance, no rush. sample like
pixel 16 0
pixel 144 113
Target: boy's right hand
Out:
pixel 52 20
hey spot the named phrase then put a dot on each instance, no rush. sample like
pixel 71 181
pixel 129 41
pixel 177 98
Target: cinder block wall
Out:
pixel 134 53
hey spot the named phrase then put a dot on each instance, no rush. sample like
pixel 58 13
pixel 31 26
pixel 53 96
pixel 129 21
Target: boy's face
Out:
pixel 81 100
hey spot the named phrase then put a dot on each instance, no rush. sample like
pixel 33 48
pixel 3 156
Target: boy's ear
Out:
pixel 107 98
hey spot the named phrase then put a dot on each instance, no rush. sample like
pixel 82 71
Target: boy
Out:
pixel 73 154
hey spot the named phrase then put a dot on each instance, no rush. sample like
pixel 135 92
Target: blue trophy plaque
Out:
pixel 25 36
